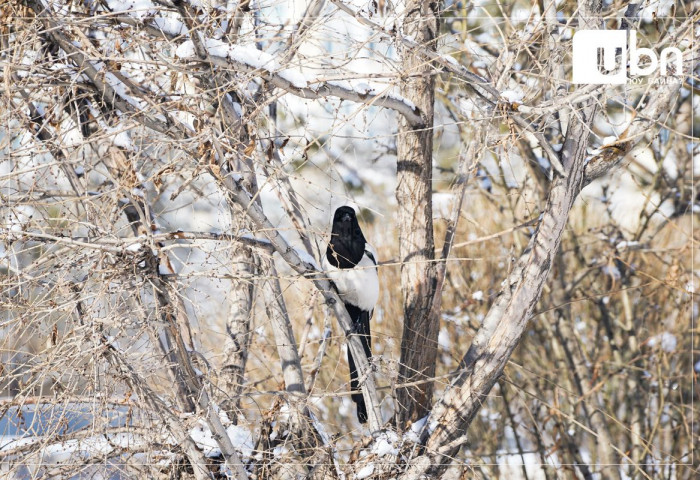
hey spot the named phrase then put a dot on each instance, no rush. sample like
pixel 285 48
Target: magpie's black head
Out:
pixel 347 244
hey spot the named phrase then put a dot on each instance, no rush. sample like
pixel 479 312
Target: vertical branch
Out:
pixel 415 219
pixel 238 330
pixel 247 264
pixel 580 373
pixel 122 173
pixel 238 138
pixel 196 390
pixel 284 336
pixel 514 427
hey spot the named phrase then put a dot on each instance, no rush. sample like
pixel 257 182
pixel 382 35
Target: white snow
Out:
pixel 73 450
pixel 10 442
pixel 296 78
pixel 467 106
pixel 346 85
pixel 399 98
pixel 135 8
pixel 520 15
pixel 444 339
pixel 609 140
pixel 213 46
pixel 18 217
pixel 667 341
pixel 629 200
pixel 626 244
pixel 365 472
pixel 280 451
pixel 253 57
pixel 120 138
pixel 644 162
pixel 413 434
pixel 385 444
pixel 363 88
pixel 654 9
pixel 122 90
pixel 306 258
pixel 613 271
pixel 241 439
pixel 216 47
pixel 443 202
pixel 478 295
pixel 670 165
pixel 185 50
pixel 134 247
pixel 512 96
pixel 247 55
pixel 170 26
pixel 544 163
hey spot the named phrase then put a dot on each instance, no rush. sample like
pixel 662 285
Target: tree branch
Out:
pixel 317 89
pixel 109 85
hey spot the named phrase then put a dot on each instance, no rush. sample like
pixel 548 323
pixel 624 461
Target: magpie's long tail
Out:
pixel 360 319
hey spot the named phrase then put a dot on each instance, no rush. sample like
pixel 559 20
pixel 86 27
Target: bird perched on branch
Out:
pixel 351 265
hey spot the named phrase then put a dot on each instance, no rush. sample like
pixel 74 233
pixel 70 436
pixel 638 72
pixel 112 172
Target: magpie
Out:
pixel 351 265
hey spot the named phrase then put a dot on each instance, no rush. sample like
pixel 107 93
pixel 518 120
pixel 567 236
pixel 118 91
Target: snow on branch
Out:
pixel 251 60
pixel 113 88
pixel 116 89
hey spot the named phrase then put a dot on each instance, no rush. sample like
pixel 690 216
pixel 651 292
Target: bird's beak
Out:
pixel 346 217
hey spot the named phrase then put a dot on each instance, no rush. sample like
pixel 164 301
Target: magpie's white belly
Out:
pixel 358 286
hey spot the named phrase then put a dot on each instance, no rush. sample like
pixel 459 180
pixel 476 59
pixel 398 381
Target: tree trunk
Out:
pixel 415 220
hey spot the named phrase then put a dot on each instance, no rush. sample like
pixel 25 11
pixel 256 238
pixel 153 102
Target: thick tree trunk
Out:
pixel 415 220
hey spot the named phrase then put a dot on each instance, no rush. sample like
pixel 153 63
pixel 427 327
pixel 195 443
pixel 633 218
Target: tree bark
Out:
pixel 415 219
